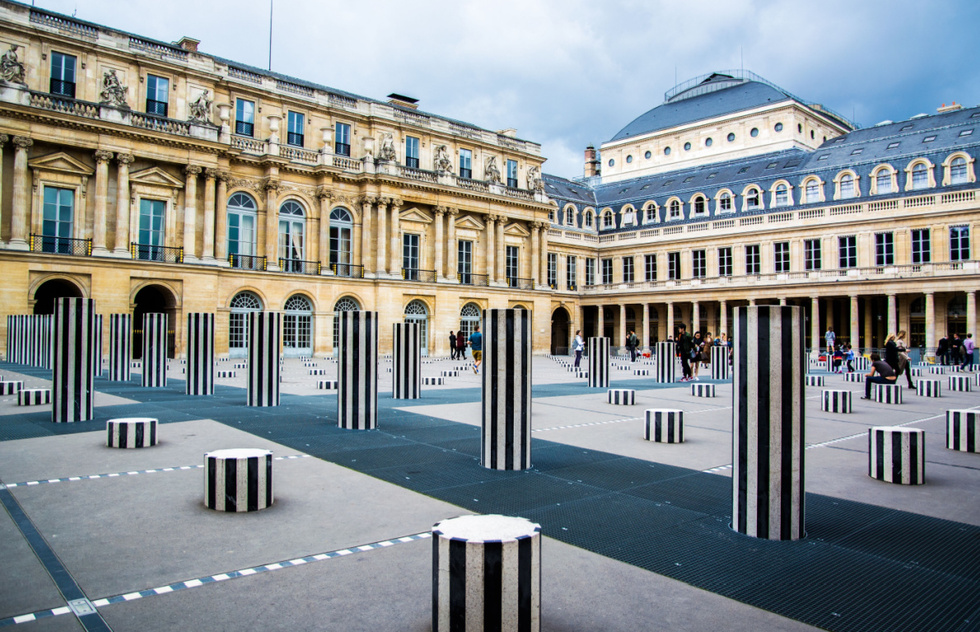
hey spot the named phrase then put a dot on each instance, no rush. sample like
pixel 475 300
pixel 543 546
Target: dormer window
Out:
pixel 725 203
pixel 675 210
pixel 752 199
pixel 699 205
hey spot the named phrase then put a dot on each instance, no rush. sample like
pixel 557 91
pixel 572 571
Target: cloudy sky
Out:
pixel 567 73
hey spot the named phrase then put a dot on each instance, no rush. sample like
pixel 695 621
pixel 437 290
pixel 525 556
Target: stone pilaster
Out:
pixel 102 159
pixel 22 198
pixel 190 211
pixel 121 242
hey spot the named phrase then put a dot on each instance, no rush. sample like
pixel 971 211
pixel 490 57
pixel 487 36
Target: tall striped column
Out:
pixel 200 354
pixel 407 351
pixel 666 362
pixel 598 363
pixel 357 393
pixel 154 350
pixel 71 371
pixel 120 347
pixel 30 340
pixel 719 363
pixel 97 347
pixel 44 341
pixel 9 347
pixel 264 332
pixel 768 420
pixel 506 367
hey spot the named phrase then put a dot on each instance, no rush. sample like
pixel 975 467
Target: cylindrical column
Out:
pixel 769 422
pixel 666 362
pixel 491 269
pixel 500 259
pixel 102 159
pixel 622 323
pixel 486 574
pixel 21 196
pixel 264 332
pixel 892 323
pixel 221 219
pixel 930 326
pixel 367 233
pixel 381 238
pixel 71 371
pixel 506 367
pixel 190 211
pixel 600 321
pixel 723 318
pixel 121 245
pixel 96 346
pixel 535 231
pixel 357 392
pixel 815 339
pixel 46 346
pixel 719 363
pixel 200 354
pixel 971 313
pixel 154 350
pixel 598 362
pixel 407 361
pixel 855 324
pixel 670 320
pixel 868 335
pixel 451 245
pixel 544 254
pixel 695 317
pixel 238 480
pixel 207 245
pixel 120 346
pixel 323 196
pixel 395 266
pixel 270 244
pixel 645 343
pixel 439 245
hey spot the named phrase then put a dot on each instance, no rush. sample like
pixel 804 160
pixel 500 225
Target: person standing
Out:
pixel 684 346
pixel 955 346
pixel 633 343
pixel 696 356
pixel 904 366
pixel 967 352
pixel 831 338
pixel 706 351
pixel 884 371
pixel 460 345
pixel 476 346
pixel 578 346
pixel 942 351
pixel 452 345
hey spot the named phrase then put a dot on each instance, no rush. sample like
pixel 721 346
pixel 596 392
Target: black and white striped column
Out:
pixel 357 371
pixel 928 388
pixel 897 455
pixel 507 340
pixel 664 425
pixel 598 363
pixel 959 382
pixel 131 432
pixel 30 341
pixel 200 354
pixel 814 380
pixel 407 351
pixel 621 396
pixel 71 371
pixel 264 369
pixel 486 574
pixel 720 370
pixel 120 347
pixel 667 362
pixel 154 351
pixel 238 480
pixel 97 347
pixel 963 430
pixel 835 401
pixel 769 422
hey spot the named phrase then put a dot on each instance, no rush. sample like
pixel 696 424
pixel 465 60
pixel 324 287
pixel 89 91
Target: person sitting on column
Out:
pixel 967 352
pixel 684 346
pixel 831 338
pixel 578 346
pixel 452 345
pixel 476 345
pixel 881 373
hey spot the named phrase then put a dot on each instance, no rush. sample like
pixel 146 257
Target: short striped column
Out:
pixel 621 396
pixel 641 372
pixel 330 385
pixel 861 363
pixel 96 346
pixel 960 383
pixel 120 347
pixel 854 377
pixel 928 388
pixel 200 354
pixel 914 371
pixel 357 396
pixel 264 332
pixel 154 351
pixel 887 393
pixel 486 574
pixel 897 455
pixel 433 381
pixel 598 362
pixel 10 387
pixel 71 371
pixel 938 370
pixel 814 380
pixel 506 436
pixel 769 422
pixel 131 432
pixel 666 362
pixel 407 351
pixel 238 480
pixel 33 396
pixel 834 401
pixel 224 375
pixel 703 390
pixel 963 430
pixel 664 425
pixel 720 370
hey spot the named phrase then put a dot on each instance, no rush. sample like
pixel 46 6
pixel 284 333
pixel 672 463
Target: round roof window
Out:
pixel 629 159
pixel 754 132
pixel 778 127
pixel 648 155
pixel 666 151
pixel 731 136
pixel 611 162
pixel 687 146
pixel 707 142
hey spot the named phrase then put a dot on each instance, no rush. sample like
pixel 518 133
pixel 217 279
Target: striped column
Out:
pixel 835 401
pixel 131 432
pixel 96 347
pixel 507 339
pixel 814 380
pixel 667 362
pixel 897 455
pixel 963 430
pixel 486 574
pixel 621 396
pixel 120 347
pixel 599 362
pixel 959 382
pixel 928 388
pixel 407 350
pixel 769 422
pixel 154 351
pixel 357 371
pixel 15 338
pixel 30 341
pixel 720 370
pixel 71 371
pixel 264 332
pixel 200 354
pixel 664 425
pixel 238 480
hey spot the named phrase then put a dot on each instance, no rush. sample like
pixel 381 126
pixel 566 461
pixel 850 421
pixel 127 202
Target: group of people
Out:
pixel 956 350
pixel 842 358
pixel 458 343
pixel 695 351
pixel 896 363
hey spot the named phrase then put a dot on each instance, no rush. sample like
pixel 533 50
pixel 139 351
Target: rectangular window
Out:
pixel 627 269
pixel 464 262
pixel 650 267
pixel 725 203
pixel 846 187
pixel 590 271
pixel 883 182
pixel 725 261
pixel 295 129
pixel 781 256
pixel 921 246
pixel 673 266
pixel 812 192
pixel 512 174
pixel 465 163
pixel 884 249
pixel 151 229
pixel 157 95
pixel 56 227
pixel 241 233
pixel 959 243
pixel 341 139
pixel 571 272
pixel 920 177
pixel 62 75
pixel 699 264
pixel 553 270
pixel 412 152
pixel 848 251
pixel 812 257
pixel 606 271
pixel 244 117
pixel 512 271
pixel 753 262
pixel 410 256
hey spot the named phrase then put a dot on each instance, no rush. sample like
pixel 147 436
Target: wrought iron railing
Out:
pixel 468 278
pixel 298 266
pixel 248 262
pixel 148 252
pixel 61 245
pixel 347 270
pixel 520 284
pixel 414 274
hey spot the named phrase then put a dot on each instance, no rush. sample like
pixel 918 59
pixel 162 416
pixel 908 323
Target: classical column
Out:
pixel 221 219
pixel 751 302
pixel 323 196
pixel 451 245
pixel 930 326
pixel 207 246
pixel 622 323
pixel 491 270
pixel 367 235
pixel 892 327
pixel 437 249
pixel 600 324
pixel 723 318
pixel 971 313
pixel 695 316
pixel 535 236
pixel 271 225
pixel 868 332
pixel 190 211
pixel 121 245
pixel 3 141
pixel 645 343
pixel 396 238
pixel 501 260
pixel 782 301
pixel 102 159
pixel 544 254
pixel 855 329
pixel 381 238
pixel 22 199
pixel 670 320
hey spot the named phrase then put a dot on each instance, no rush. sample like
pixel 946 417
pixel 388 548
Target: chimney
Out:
pixel 591 162
pixel 188 43
pixel 949 108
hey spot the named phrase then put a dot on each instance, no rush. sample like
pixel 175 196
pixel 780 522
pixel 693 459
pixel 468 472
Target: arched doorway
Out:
pixel 559 331
pixel 49 291
pixel 241 305
pixel 297 326
pixel 416 312
pixel 345 304
pixel 154 299
pixel 469 318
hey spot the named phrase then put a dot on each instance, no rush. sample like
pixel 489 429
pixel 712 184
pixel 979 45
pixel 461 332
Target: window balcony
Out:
pixel 64 88
pixel 156 107
pixel 520 284
pixel 468 278
pixel 412 162
pixel 61 245
pixel 298 266
pixel 149 252
pixel 248 262
pixel 347 270
pixel 244 129
pixel 341 149
pixel 292 138
pixel 423 276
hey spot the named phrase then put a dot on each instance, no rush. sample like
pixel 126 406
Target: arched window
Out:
pixel 811 191
pixel 607 219
pixel 551 216
pixel 920 176
pixel 297 326
pixel 469 318
pixel 675 209
pixel 699 206
pixel 958 172
pixel 416 312
pixel 752 198
pixel 341 228
pixel 241 305
pixel 292 230
pixel 629 217
pixel 847 189
pixel 781 195
pixel 725 203
pixel 650 214
pixel 241 230
pixel 345 304
pixel 883 181
pixel 589 219
pixel 569 216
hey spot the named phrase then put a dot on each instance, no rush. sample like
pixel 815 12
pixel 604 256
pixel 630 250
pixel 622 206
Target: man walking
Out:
pixel 684 346
pixel 452 345
pixel 476 345
pixel 967 352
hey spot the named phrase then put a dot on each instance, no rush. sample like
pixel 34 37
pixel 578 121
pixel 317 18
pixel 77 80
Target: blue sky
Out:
pixel 567 73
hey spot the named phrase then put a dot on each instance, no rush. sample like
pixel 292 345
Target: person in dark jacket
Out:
pixel 460 345
pixel 685 345
pixel 452 345
pixel 942 351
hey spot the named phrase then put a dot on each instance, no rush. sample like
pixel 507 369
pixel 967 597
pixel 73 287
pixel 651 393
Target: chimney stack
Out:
pixel 591 162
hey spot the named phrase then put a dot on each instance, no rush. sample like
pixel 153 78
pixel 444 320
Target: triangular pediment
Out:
pixel 415 215
pixel 516 230
pixel 155 176
pixel 61 163
pixel 468 221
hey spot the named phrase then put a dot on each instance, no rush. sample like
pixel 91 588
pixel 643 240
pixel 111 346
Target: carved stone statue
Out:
pixel 490 172
pixel 11 69
pixel 200 108
pixel 387 147
pixel 113 92
pixel 442 161
pixel 534 182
